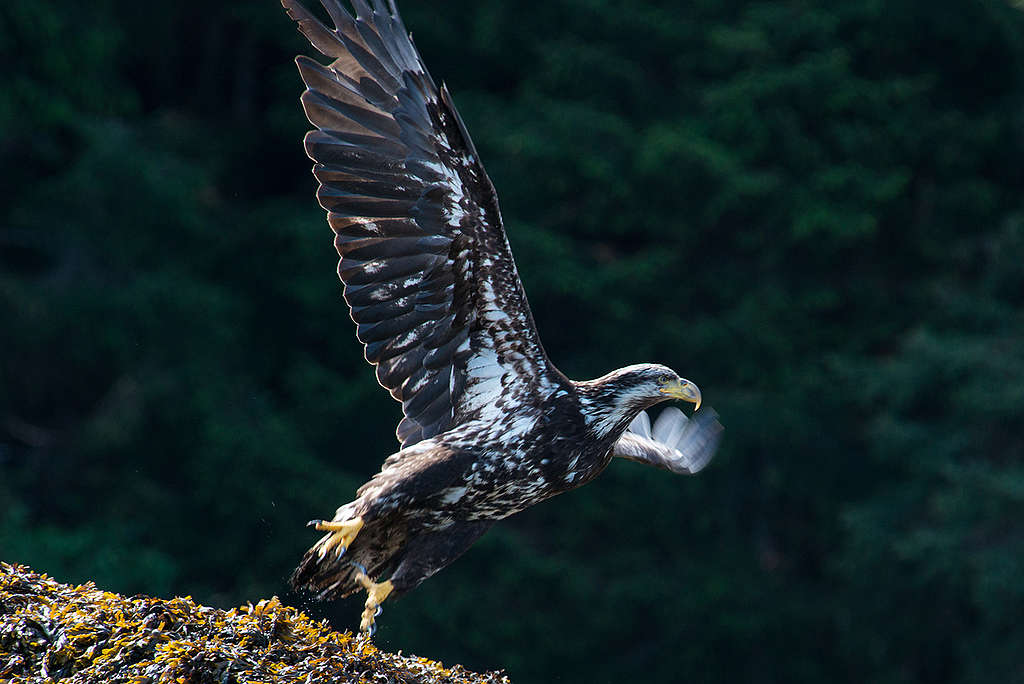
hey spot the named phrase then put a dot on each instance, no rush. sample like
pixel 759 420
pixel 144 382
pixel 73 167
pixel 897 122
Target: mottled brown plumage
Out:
pixel 489 425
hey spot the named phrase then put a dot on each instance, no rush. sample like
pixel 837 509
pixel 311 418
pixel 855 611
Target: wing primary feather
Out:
pixel 427 399
pixel 374 143
pixel 363 10
pixel 412 385
pixel 443 331
pixel 400 367
pixel 374 332
pixel 362 272
pixel 387 349
pixel 349 35
pixel 427 171
pixel 318 77
pixel 340 85
pixel 439 425
pixel 439 294
pixel 440 357
pixel 399 42
pixel 346 227
pixel 375 93
pixel 408 431
pixel 375 293
pixel 414 137
pixel 387 247
pixel 440 407
pixel 322 147
pixel 344 203
pixel 320 37
pixel 328 112
pixel 376 46
pixel 414 101
pixel 357 185
pixel 381 312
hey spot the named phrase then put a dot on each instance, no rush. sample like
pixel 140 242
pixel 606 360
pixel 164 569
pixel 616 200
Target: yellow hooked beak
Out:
pixel 682 389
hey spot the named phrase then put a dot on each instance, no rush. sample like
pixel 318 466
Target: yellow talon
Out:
pixel 342 534
pixel 376 592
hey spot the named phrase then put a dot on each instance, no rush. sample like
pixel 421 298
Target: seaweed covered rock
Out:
pixel 51 631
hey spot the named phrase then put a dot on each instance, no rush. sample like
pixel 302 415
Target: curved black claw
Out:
pixel 313 523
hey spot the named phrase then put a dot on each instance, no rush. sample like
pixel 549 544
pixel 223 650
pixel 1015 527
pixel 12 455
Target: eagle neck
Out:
pixel 607 407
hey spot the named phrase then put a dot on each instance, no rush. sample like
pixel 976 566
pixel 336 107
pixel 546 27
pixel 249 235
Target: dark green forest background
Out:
pixel 814 210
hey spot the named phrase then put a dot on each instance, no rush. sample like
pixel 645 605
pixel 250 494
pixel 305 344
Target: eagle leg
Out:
pixel 342 534
pixel 376 592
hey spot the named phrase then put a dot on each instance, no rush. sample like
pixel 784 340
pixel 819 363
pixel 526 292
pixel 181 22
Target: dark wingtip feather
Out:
pixel 322 38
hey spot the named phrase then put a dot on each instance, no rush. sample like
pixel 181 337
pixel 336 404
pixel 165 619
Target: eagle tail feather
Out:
pixel 332 575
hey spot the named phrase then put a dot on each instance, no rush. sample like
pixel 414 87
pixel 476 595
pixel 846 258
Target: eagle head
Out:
pixel 612 401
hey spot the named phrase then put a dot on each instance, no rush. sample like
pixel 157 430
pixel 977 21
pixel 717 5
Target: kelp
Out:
pixel 51 631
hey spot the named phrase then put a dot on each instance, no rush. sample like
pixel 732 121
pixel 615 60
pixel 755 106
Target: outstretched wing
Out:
pixel 428 273
pixel 677 443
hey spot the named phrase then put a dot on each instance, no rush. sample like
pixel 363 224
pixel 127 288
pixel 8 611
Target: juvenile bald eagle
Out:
pixel 489 425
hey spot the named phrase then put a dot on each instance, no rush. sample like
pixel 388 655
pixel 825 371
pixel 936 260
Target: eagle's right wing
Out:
pixel 677 443
pixel 428 273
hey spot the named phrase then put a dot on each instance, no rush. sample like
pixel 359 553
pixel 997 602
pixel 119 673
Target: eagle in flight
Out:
pixel 490 426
